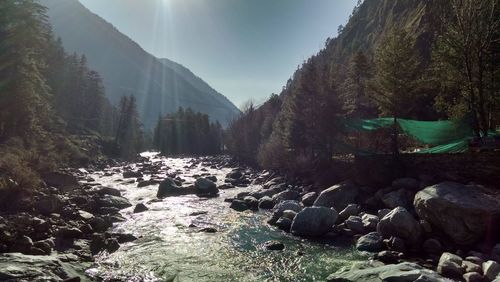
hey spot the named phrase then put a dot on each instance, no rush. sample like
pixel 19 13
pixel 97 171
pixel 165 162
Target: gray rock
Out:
pixel 286 195
pixel 274 245
pixel 338 196
pixel 284 224
pixel 471 267
pixel 169 188
pixel 491 269
pixel 239 205
pixel 398 198
pixel 140 208
pixel 461 212
pixel 266 203
pixel 270 192
pixel 475 259
pixel 281 207
pixel 18 267
pixel 473 277
pixel 208 230
pixel 69 233
pixel 314 221
pixel 131 174
pixel 383 212
pixel 108 191
pixel 396 244
pixel 351 209
pixel 403 272
pixel 113 202
pixel 289 214
pixel 309 198
pixel 23 244
pixel 84 215
pixel 251 202
pixel 450 265
pixel 355 224
pixel 388 257
pixel 205 186
pixel 370 221
pixel 371 242
pixel 400 223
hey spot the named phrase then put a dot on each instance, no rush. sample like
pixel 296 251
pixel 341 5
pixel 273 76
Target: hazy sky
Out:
pixel 245 49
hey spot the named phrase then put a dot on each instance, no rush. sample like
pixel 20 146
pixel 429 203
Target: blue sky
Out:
pixel 245 49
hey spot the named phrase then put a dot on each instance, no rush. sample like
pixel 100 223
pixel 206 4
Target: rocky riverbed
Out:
pixel 208 219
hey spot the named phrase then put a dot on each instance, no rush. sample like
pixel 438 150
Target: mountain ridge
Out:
pixel 161 85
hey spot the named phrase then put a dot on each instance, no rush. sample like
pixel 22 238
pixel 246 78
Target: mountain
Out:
pixel 160 85
pixel 303 117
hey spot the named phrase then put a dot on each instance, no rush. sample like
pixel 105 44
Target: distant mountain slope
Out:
pixel 160 85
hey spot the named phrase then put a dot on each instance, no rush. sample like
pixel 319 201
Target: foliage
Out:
pixel 398 76
pixel 466 62
pixel 187 132
pixel 45 95
pixel 129 136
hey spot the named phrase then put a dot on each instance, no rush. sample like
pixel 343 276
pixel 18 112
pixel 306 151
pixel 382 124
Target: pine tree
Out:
pixel 398 75
pixel 355 95
pixel 397 78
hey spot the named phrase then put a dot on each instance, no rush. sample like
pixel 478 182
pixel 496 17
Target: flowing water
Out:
pixel 168 249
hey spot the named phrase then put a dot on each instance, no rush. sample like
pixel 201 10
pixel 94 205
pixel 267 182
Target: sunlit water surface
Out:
pixel 169 250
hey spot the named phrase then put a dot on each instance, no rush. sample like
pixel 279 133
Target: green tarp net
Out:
pixel 447 136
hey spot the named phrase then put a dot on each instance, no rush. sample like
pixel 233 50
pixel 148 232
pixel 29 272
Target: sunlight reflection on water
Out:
pixel 169 250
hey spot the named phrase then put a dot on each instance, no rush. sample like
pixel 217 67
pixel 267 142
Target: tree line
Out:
pixel 460 78
pixel 186 132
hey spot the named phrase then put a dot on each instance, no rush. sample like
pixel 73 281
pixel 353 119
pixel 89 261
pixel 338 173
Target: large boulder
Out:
pixel 286 195
pixel 371 242
pixel 314 221
pixel 491 269
pixel 111 201
pixel 450 265
pixel 398 198
pixel 266 203
pixel 355 223
pixel 19 267
pixel 205 186
pixel 351 209
pixel 168 188
pixel 337 196
pixel 400 223
pixel 61 180
pixel 309 198
pixel 463 212
pixel 270 192
pixel 283 206
pixel 405 271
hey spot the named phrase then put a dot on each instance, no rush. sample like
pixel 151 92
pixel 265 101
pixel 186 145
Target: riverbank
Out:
pixel 52 233
pixel 202 219
pixel 420 228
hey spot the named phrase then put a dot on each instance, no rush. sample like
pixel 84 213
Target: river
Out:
pixel 168 249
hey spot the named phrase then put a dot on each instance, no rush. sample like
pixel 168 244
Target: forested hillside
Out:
pixel 424 60
pixel 53 108
pixel 160 85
